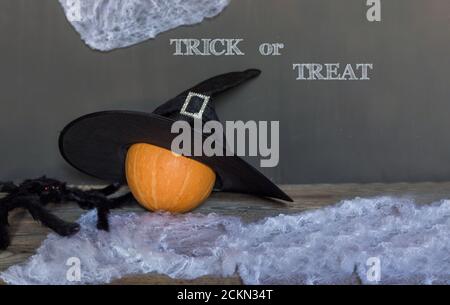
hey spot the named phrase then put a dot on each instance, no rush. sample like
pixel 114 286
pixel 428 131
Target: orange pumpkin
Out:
pixel 160 180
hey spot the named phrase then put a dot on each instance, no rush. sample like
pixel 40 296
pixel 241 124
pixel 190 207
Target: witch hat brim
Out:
pixel 97 143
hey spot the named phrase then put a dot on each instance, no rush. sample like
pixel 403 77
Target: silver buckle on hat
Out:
pixel 199 114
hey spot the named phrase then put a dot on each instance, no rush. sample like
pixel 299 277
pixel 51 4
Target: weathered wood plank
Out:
pixel 27 235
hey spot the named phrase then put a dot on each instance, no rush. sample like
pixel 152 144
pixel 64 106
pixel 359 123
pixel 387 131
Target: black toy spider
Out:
pixel 34 195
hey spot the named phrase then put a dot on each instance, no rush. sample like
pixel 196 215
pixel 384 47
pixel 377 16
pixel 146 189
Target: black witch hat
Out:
pixel 97 144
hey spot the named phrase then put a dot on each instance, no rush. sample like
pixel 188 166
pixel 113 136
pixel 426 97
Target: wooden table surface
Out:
pixel 27 235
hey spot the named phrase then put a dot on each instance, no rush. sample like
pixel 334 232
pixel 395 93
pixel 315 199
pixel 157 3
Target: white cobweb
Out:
pixel 330 245
pixel 109 24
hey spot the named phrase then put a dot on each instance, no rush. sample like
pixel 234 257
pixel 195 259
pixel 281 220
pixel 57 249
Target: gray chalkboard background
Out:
pixel 392 128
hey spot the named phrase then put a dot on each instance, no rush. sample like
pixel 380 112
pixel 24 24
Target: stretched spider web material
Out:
pixel 330 245
pixel 109 24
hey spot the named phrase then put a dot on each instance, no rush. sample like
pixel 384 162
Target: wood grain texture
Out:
pixel 27 235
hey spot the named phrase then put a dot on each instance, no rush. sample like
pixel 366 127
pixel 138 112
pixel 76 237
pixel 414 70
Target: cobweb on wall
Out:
pixel 330 245
pixel 109 24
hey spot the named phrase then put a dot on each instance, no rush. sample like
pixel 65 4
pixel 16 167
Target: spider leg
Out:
pixel 106 206
pixel 102 218
pixel 4 237
pixel 88 200
pixel 110 189
pixel 80 197
pixel 98 199
pixel 7 187
pixel 118 202
pixel 4 233
pixel 41 214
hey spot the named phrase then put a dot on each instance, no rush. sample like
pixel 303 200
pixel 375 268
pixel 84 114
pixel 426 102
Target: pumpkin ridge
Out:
pixel 183 186
pixel 131 171
pixel 162 181
pixel 147 160
pixel 136 151
pixel 208 191
pixel 153 188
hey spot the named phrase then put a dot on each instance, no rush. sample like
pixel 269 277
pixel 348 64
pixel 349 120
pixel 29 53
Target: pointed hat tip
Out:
pixel 253 72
